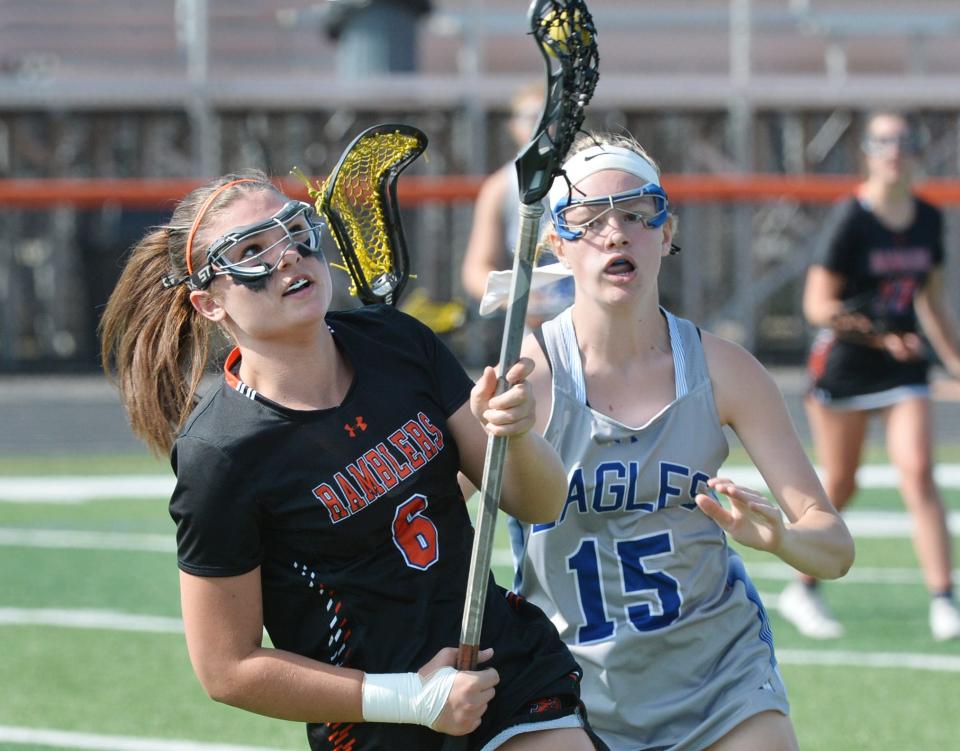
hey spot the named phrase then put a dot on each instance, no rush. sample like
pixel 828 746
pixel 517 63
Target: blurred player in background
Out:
pixel 877 279
pixel 496 219
pixel 637 573
pixel 317 489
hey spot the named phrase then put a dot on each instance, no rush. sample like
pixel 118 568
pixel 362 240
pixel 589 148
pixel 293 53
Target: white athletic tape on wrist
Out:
pixel 405 698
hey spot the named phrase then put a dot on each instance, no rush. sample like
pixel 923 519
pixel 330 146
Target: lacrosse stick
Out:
pixel 359 202
pixel 566 36
pixel 863 321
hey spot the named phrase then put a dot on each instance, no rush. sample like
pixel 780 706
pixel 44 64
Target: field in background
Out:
pixel 89 620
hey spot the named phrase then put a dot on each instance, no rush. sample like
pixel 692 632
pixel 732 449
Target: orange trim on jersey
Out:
pixel 340 737
pixel 546 704
pixel 819 354
pixel 203 210
pixel 233 360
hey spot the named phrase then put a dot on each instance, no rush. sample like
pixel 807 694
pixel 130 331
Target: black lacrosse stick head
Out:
pixel 567 39
pixel 359 202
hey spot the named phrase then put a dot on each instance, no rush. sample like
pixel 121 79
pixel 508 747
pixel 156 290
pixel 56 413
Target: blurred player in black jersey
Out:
pixel 317 489
pixel 877 279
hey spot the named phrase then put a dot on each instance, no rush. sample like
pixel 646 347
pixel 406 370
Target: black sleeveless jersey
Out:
pixel 883 271
pixel 356 520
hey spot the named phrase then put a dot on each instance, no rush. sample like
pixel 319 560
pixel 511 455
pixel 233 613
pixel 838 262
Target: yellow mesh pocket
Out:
pixel 359 202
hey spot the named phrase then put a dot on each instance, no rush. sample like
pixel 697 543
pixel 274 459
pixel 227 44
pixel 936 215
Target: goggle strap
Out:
pixel 170 281
pixel 203 210
pixel 203 276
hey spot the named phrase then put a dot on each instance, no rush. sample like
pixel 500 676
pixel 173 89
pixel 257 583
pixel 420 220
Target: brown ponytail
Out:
pixel 155 346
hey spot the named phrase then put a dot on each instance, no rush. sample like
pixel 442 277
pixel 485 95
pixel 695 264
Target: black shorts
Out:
pixel 539 685
pixel 547 713
pixel 543 714
pixel 848 375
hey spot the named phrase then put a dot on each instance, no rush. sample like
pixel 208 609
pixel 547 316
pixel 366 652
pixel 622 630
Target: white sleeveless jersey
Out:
pixel 641 584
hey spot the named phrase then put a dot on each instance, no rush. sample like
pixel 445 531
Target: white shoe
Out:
pixel 805 609
pixel 944 619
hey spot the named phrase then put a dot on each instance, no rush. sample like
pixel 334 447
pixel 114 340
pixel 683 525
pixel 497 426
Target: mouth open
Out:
pixel 297 285
pixel 620 267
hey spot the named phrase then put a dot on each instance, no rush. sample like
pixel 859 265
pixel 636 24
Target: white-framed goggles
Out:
pixel 647 206
pixel 243 253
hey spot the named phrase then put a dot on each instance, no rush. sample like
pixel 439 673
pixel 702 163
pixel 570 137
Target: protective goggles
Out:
pixel 243 253
pixel 647 206
pixel 905 143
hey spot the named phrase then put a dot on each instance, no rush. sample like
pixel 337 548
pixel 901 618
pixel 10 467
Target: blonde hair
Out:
pixel 523 95
pixel 154 345
pixel 585 140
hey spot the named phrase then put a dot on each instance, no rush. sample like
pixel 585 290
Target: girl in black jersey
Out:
pixel 317 489
pixel 880 271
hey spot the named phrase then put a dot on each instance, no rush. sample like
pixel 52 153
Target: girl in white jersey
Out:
pixel 636 572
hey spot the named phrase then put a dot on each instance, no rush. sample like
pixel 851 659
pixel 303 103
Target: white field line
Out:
pixel 109 620
pixel 80 489
pixel 862 524
pixel 868 476
pixel 75 740
pixel 75 539
pixel 65 739
pixel 116 621
pixel 887 524
pixel 845 658
pixel 778 571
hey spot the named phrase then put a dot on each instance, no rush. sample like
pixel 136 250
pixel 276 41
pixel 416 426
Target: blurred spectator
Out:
pixel 496 219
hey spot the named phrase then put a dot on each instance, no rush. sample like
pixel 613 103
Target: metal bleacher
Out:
pixel 174 88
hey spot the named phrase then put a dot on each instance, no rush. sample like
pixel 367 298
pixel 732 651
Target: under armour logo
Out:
pixel 358 424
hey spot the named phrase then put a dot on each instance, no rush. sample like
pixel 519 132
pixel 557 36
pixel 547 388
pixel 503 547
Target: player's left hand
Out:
pixel 904 347
pixel 511 413
pixel 751 519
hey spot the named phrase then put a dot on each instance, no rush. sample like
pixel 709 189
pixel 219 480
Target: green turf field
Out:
pixel 125 673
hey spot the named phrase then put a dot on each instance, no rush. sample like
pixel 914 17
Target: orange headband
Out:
pixel 203 210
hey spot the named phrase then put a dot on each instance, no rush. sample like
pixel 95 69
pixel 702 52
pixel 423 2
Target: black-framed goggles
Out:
pixel 244 253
